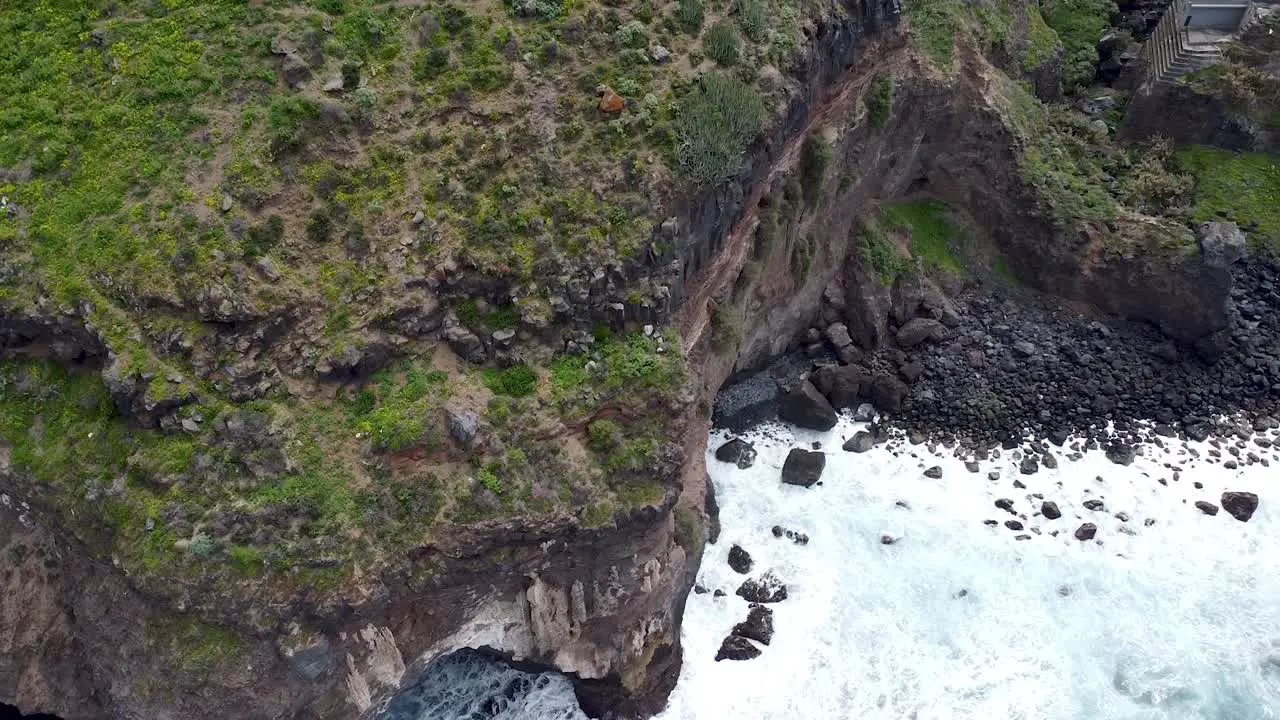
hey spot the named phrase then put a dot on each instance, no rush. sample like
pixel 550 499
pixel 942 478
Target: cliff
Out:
pixel 364 372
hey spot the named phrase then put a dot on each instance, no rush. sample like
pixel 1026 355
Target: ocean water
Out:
pixel 959 621
pixel 956 620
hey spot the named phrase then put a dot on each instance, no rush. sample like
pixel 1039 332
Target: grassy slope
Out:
pixel 1243 186
pixel 124 132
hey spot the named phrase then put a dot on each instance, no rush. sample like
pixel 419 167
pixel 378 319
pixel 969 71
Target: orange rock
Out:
pixel 611 102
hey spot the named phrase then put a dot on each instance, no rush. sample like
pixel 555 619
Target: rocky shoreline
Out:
pixel 1020 378
pixel 989 368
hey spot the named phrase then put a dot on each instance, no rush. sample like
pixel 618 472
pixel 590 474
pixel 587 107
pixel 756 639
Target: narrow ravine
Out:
pixel 1168 613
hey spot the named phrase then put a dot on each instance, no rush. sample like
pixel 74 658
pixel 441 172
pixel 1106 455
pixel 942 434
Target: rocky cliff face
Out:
pixel 793 239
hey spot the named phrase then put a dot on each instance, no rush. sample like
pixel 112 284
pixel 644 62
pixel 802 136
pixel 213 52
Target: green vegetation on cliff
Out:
pixel 1080 24
pixel 1243 187
pixel 930 227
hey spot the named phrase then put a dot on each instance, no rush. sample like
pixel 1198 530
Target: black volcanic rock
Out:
pixel 758 626
pixel 861 441
pixel 738 452
pixel 765 589
pixel 736 647
pixel 1086 532
pixel 1240 505
pixel 806 407
pixel 803 467
pixel 739 560
pixel 1050 510
pixel 1207 508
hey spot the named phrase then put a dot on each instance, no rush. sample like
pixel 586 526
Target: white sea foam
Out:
pixel 467 685
pixel 959 621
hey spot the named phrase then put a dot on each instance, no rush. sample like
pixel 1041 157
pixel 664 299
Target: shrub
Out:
pixel 722 44
pixel 631 35
pixel 319 226
pixel 544 9
pixel 880 101
pixel 881 257
pixel 428 64
pixel 802 257
pixel 261 238
pixel 515 381
pixel 489 478
pixel 716 121
pixel 815 156
pixel 202 546
pixel 754 19
pixel 1079 24
pixel 689 13
pixel 285 120
pixel 604 435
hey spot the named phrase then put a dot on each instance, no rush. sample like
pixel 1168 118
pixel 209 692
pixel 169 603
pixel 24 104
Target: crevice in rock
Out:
pixel 9 712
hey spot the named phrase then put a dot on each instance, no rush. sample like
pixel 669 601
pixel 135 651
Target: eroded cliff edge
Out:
pixel 873 111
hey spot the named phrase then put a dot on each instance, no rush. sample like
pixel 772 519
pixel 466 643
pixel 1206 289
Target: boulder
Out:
pixel 934 472
pixel 765 589
pixel 462 425
pixel 918 330
pixel 798 538
pixel 736 647
pixel 841 385
pixel 1006 505
pixel 887 393
pixel 1120 453
pixel 1094 505
pixel 294 70
pixel 737 451
pixel 1086 532
pixel 861 441
pixel 806 407
pixel 1207 508
pixel 1029 465
pixel 1240 505
pixel 1221 243
pixel 758 626
pixel 866 412
pixel 465 343
pixel 838 335
pixel 611 102
pixel 1050 510
pixel 739 560
pixel 803 467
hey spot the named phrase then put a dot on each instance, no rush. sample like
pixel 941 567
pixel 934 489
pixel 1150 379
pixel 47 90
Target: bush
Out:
pixel 689 13
pixel 603 435
pixel 202 546
pixel 319 226
pixel 515 381
pixel 754 19
pixel 815 156
pixel 1079 24
pixel 544 9
pixel 261 238
pixel 631 35
pixel 722 44
pixel 285 120
pixel 428 64
pixel 715 123
pixel 489 478
pixel 880 255
pixel 880 101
